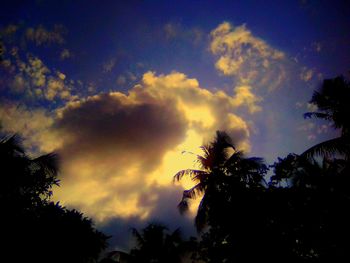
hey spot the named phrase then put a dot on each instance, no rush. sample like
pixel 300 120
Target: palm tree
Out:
pixel 222 169
pixel 333 103
pixel 154 244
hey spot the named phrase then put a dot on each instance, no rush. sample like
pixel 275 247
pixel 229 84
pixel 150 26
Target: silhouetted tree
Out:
pixel 223 167
pixel 154 244
pixel 332 101
pixel 318 200
pixel 301 215
pixel 33 229
pixel 230 185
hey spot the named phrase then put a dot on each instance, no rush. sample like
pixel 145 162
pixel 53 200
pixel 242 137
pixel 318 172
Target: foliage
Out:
pixel 221 172
pixel 154 244
pixel 33 229
pixel 332 101
pixel 299 216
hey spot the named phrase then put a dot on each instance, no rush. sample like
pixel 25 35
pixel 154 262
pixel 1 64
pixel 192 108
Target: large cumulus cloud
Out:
pixel 118 149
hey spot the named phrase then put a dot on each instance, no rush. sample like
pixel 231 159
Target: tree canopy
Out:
pixel 34 229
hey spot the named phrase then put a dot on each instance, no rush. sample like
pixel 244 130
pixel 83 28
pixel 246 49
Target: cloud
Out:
pixel 247 58
pixel 109 65
pixel 306 74
pixel 32 79
pixel 121 80
pixel 176 31
pixel 316 46
pixel 311 137
pixel 299 105
pixel 56 87
pixel 120 151
pixel 40 35
pixel 244 96
pixel 117 147
pixel 306 126
pixel 8 30
pixel 34 125
pixel 65 54
pixel 311 107
pixel 171 30
pixel 166 200
pixel 314 130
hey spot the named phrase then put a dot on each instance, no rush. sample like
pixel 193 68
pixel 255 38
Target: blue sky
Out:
pixel 89 76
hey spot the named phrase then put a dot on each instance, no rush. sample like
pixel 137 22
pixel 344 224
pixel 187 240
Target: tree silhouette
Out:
pixel 221 170
pixel 318 200
pixel 231 186
pixel 154 244
pixel 332 101
pixel 33 229
pixel 299 216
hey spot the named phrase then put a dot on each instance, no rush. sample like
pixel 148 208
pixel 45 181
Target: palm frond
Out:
pixel 237 156
pixel 193 192
pixel 328 148
pixel 223 139
pixel 200 176
pixel 179 175
pixel 192 173
pixel 140 240
pixel 12 144
pixel 255 163
pixel 48 162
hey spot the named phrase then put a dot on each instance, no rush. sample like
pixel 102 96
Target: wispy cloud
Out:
pixel 40 35
pixel 316 46
pixel 246 57
pixel 306 74
pixel 176 31
pixel 109 65
pixel 65 54
pixel 254 65
pixel 32 79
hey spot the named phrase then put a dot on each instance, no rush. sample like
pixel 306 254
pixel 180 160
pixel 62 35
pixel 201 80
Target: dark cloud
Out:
pixel 107 126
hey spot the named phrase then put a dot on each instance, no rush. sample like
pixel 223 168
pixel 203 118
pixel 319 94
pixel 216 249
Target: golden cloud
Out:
pixel 35 126
pixel 247 58
pixel 306 74
pixel 118 148
pixel 33 79
pixel 40 35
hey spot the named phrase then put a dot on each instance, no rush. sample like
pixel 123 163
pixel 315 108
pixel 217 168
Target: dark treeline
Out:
pixel 299 214
pixel 34 229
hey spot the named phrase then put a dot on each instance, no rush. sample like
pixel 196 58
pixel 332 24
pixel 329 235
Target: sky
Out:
pixel 127 91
